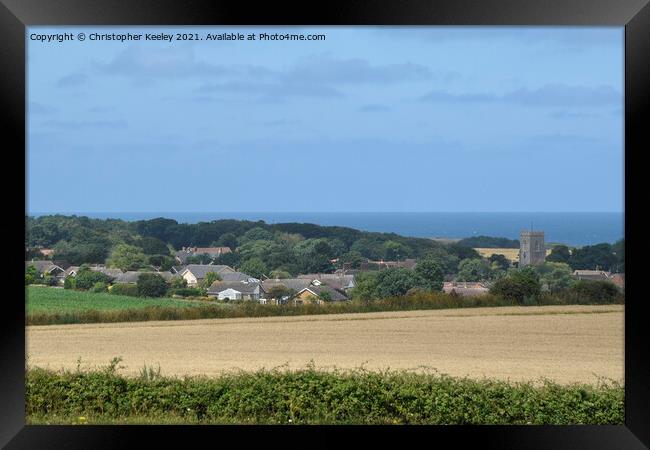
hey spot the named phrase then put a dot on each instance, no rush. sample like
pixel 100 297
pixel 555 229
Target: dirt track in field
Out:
pixel 562 343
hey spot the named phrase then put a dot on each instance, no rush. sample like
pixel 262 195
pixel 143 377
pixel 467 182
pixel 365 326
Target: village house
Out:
pixel 54 269
pixel 236 290
pixel 465 288
pixel 195 273
pixel 600 275
pixel 213 252
pixel 319 295
pixel 340 281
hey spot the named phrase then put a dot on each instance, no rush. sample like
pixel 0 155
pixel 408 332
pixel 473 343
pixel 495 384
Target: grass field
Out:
pixel 309 396
pixel 566 344
pixel 52 300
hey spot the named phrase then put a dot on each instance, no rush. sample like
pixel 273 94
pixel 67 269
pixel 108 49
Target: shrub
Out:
pixel 310 396
pixel 518 286
pixel 130 290
pixel 86 279
pixel 151 285
pixel 592 291
pixel 100 286
pixel 186 292
pixel 69 283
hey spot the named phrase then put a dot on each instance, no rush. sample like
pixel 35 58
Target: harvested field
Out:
pixel 565 344
pixel 510 253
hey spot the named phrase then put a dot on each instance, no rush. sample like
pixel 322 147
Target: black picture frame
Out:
pixel 634 15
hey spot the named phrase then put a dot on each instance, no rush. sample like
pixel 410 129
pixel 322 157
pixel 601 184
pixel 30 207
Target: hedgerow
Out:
pixel 310 396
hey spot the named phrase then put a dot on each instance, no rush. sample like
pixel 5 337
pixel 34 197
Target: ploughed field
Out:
pixel 565 344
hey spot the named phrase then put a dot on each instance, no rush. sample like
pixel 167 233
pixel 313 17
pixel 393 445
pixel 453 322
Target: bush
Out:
pixel 592 291
pixel 520 285
pixel 86 279
pixel 186 292
pixel 151 285
pixel 69 283
pixel 100 286
pixel 130 290
pixel 310 396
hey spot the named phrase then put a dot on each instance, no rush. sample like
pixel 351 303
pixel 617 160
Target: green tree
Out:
pixel 279 291
pixel 86 279
pixel 559 254
pixel 127 257
pixel 31 274
pixel 365 286
pixel 152 246
pixel 254 267
pixel 352 258
pixel 499 262
pixel 279 274
pixel 473 270
pixel 518 286
pixel 555 276
pixel 151 285
pixel 210 278
pixel 395 282
pixel 431 273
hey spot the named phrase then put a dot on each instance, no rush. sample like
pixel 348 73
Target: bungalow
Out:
pixel 238 276
pixel 236 290
pixel 195 273
pixel 50 268
pixel 185 252
pixel 319 295
pixel 598 275
pixel 465 288
pixel 342 282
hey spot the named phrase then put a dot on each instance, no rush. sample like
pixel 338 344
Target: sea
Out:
pixel 570 228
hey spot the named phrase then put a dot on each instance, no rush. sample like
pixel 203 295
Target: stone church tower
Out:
pixel 532 250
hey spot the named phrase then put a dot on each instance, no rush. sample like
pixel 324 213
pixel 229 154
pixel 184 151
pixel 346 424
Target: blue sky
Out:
pixel 371 119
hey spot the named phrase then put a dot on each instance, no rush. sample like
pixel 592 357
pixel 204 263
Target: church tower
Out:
pixel 532 250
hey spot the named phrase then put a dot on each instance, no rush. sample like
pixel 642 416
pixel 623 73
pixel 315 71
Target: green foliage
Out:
pixel 393 282
pixel 499 262
pixel 31 274
pixel 555 276
pixel 595 291
pixel 70 283
pixel 161 262
pixel 352 258
pixel 177 282
pixel 130 290
pixel 431 274
pixel 127 257
pixel 517 286
pixel 86 279
pixel 462 252
pixel 279 274
pixel 100 286
pixel 186 292
pixel 473 270
pixel 488 242
pixel 310 396
pixel 559 254
pixel 152 246
pixel 210 278
pixel 254 267
pixel 599 256
pixel 151 285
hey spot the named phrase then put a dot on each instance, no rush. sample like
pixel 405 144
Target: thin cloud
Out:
pixel 72 80
pixel 40 108
pixel 550 95
pixel 374 108
pixel 74 124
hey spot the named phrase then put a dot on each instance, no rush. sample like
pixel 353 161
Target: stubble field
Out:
pixel 565 344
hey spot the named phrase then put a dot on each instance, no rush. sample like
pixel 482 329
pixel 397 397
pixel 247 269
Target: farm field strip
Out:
pixel 562 343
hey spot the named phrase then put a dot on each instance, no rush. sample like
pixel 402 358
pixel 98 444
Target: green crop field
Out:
pixel 46 300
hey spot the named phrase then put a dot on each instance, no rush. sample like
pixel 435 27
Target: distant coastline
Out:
pixel 577 229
